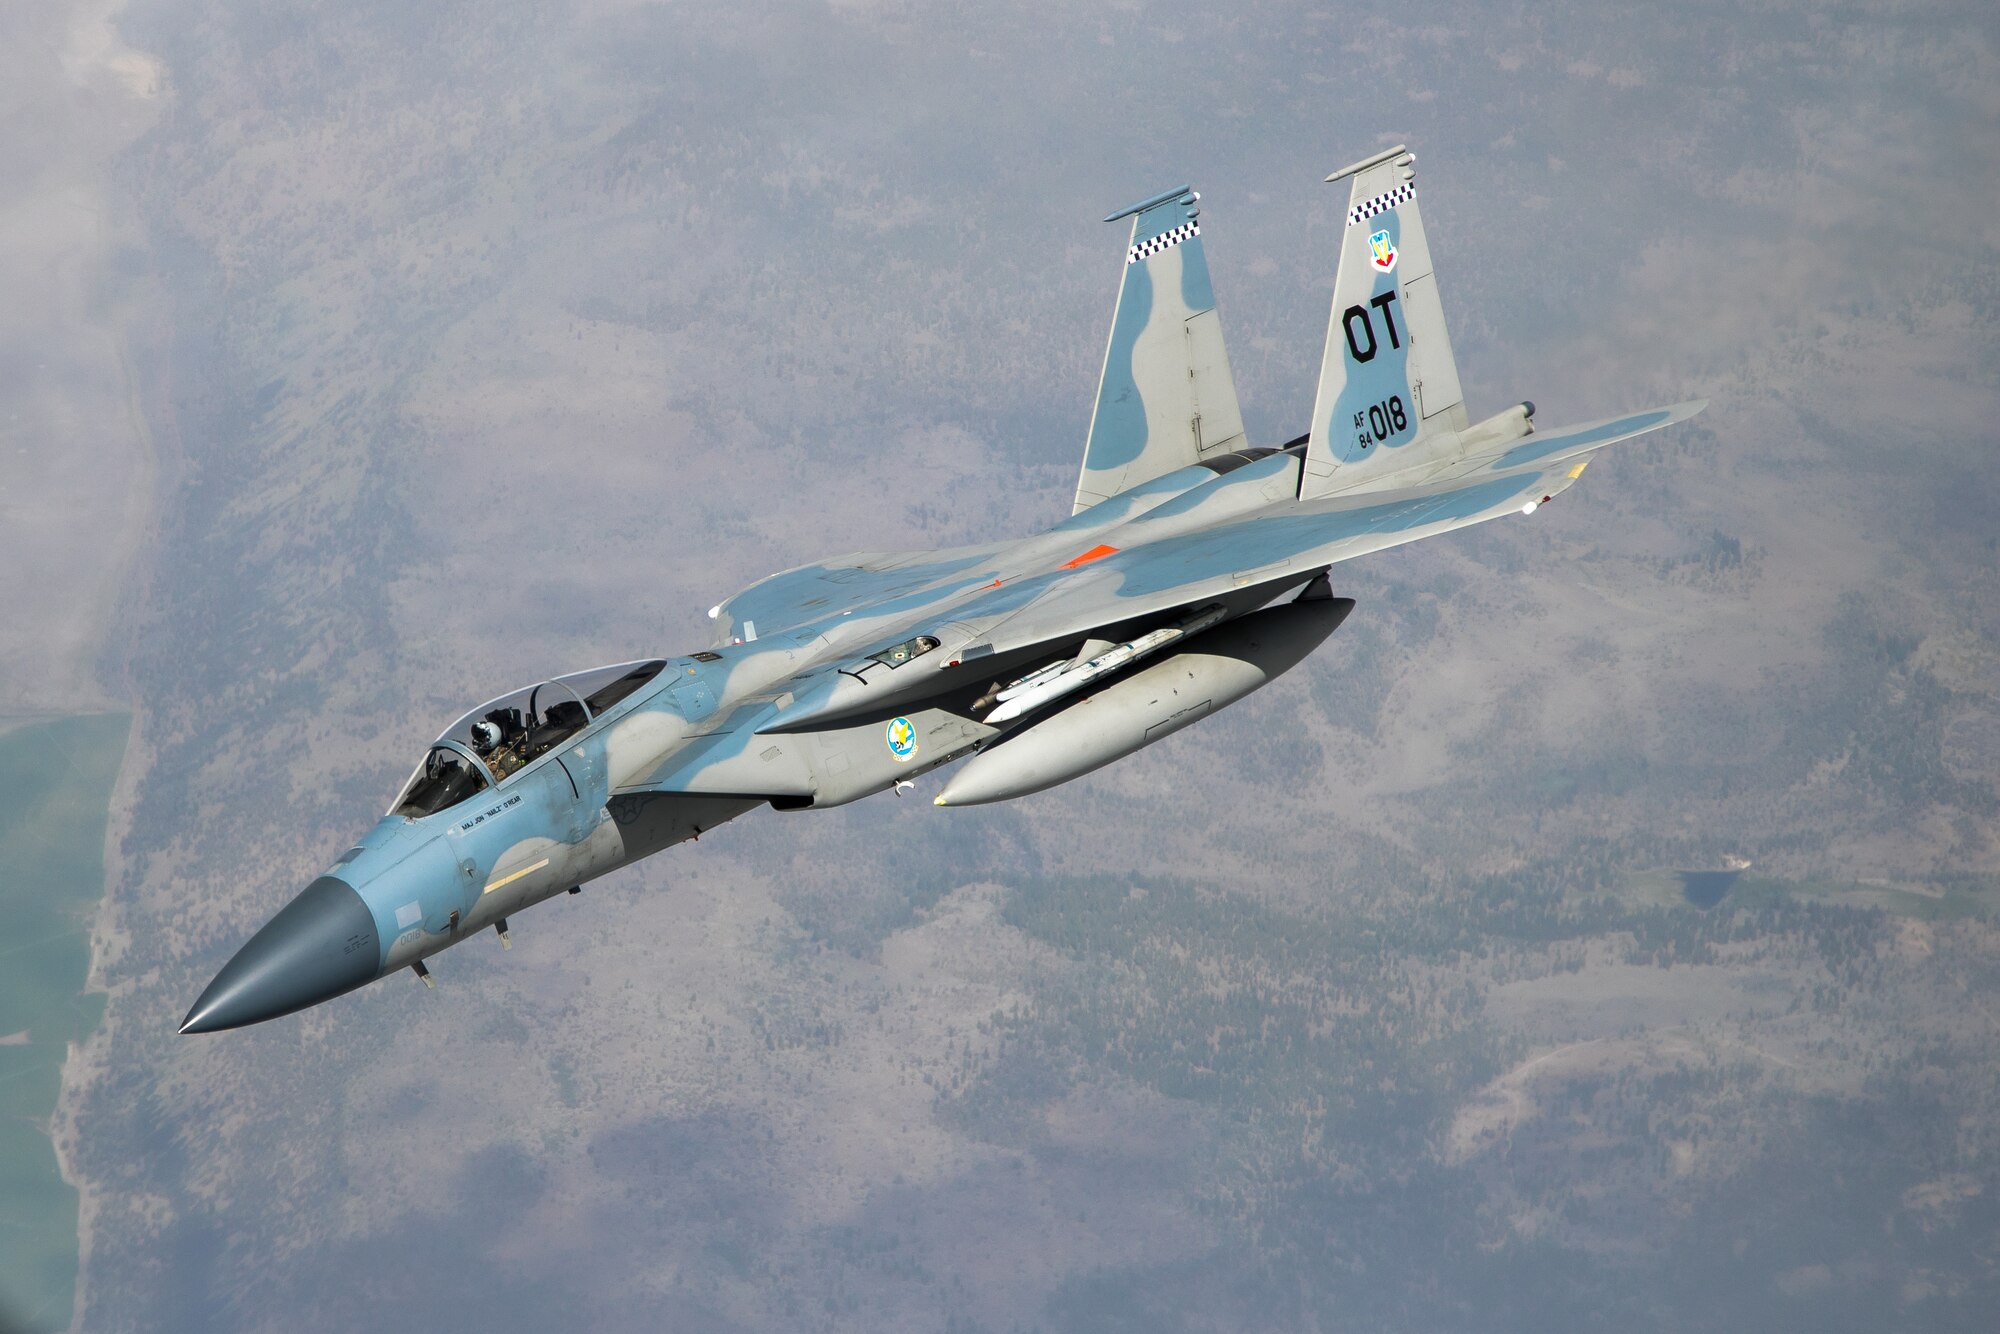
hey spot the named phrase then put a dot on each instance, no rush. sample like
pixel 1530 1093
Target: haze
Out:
pixel 359 362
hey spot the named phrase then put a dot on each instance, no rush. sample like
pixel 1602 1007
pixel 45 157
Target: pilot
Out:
pixel 489 740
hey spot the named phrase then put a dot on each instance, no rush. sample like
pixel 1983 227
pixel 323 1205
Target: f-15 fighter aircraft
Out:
pixel 1193 569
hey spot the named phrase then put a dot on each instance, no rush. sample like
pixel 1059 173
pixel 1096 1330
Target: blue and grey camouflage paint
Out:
pixel 837 680
pixel 1166 398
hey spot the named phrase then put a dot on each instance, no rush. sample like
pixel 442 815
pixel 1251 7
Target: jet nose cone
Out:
pixel 319 945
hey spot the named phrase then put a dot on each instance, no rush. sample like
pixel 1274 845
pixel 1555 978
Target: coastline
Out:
pixel 63 773
pixel 83 1063
pixel 104 96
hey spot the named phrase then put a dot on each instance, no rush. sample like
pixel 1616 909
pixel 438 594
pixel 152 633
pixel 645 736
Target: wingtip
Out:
pixel 1679 412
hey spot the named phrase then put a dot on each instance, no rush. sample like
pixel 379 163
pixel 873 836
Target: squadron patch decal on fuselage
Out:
pixel 901 736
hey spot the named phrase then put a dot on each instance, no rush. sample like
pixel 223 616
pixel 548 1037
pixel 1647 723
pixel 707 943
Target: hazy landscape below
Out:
pixel 426 351
pixel 57 777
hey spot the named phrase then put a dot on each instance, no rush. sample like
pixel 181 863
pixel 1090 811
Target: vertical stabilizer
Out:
pixel 1389 399
pixel 1166 398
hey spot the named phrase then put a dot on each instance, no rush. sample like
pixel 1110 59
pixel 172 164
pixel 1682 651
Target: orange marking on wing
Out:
pixel 1095 553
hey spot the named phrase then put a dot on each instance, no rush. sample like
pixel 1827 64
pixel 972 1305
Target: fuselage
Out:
pixel 864 673
pixel 688 743
pixel 1192 573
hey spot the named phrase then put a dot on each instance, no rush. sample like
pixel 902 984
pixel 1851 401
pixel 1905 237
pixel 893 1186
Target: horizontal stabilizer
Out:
pixel 1552 447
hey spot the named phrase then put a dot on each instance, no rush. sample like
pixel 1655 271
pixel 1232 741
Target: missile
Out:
pixel 1214 669
pixel 1059 679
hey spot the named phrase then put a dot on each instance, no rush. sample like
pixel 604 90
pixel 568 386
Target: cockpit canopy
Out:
pixel 503 736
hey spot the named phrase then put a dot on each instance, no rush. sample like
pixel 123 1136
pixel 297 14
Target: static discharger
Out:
pixel 1059 679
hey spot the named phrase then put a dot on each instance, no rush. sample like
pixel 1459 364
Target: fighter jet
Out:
pixel 1193 569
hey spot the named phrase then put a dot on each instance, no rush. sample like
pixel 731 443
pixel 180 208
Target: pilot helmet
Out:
pixel 485 735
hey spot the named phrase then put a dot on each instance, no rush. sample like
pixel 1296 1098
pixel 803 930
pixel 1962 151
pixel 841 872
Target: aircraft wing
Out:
pixel 1265 550
pixel 1056 590
pixel 1003 610
pixel 864 580
pixel 1552 447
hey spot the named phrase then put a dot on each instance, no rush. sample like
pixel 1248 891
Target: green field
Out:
pixel 55 793
pixel 1972 898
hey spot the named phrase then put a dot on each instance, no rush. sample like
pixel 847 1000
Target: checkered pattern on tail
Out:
pixel 1164 241
pixel 1382 203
